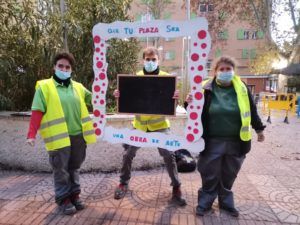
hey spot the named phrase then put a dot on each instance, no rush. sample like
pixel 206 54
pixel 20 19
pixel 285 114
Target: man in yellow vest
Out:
pixel 150 124
pixel 59 111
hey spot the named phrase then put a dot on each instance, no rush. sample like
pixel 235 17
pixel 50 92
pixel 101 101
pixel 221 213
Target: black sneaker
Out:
pixel 121 191
pixel 231 211
pixel 76 201
pixel 67 207
pixel 177 197
pixel 202 211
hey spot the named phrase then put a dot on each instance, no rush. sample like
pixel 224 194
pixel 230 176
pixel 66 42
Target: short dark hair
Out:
pixel 64 55
pixel 150 51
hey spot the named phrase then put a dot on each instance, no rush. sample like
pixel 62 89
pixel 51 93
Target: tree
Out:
pixel 263 15
pixel 155 10
pixel 32 33
pixel 27 40
pixel 122 55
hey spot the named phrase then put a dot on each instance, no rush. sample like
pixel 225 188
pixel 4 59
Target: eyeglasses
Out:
pixel 150 59
pixel 61 66
pixel 223 69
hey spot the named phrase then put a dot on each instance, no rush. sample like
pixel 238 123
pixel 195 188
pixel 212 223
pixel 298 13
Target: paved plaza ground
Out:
pixel 267 191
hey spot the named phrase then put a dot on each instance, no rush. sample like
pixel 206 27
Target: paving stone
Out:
pixel 266 193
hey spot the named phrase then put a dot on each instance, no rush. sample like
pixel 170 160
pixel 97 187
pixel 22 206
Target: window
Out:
pixel 193 15
pixel 271 85
pixel 223 35
pixel 208 64
pixel 138 17
pixel 251 88
pixel 167 16
pixel 290 89
pixel 248 53
pixel 260 34
pixel 144 39
pixel 240 34
pixel 243 34
pixel 203 8
pixel 245 53
pixel 169 39
pixel 210 8
pixel 170 55
pixel 254 35
pixel 253 53
pixel 146 1
pixel 218 53
pixel 246 34
pixel 147 17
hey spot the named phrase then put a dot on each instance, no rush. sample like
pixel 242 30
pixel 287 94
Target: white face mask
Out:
pixel 225 77
pixel 62 74
pixel 150 66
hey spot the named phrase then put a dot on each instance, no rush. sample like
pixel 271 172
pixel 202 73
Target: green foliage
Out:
pixel 5 103
pixel 25 54
pixel 32 33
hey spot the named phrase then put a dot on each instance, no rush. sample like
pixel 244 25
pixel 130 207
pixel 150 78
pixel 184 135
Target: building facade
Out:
pixel 238 39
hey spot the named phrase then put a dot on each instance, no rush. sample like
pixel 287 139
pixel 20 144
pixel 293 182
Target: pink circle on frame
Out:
pixel 190 137
pixel 102 76
pixel 97 113
pixel 97 88
pixel 200 67
pixel 198 79
pixel 195 57
pixel 97 39
pixel 193 116
pixel 198 95
pixel 99 64
pixel 202 34
pixel 98 132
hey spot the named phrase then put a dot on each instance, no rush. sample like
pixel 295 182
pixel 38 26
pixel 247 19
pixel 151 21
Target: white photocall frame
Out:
pixel 197 30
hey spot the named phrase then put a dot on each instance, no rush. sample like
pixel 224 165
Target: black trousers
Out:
pixel 65 163
pixel 218 166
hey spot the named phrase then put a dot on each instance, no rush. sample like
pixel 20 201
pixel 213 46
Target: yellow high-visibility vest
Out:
pixel 53 129
pixel 150 123
pixel 244 106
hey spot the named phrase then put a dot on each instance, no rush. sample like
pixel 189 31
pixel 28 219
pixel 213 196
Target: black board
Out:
pixel 147 95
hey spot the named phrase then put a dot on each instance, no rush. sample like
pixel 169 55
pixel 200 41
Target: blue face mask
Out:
pixel 150 66
pixel 225 77
pixel 62 74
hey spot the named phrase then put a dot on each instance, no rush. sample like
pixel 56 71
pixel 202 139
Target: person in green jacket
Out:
pixel 228 114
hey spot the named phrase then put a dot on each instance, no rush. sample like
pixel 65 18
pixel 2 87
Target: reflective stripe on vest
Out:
pixel 244 106
pixel 88 132
pixel 246 114
pixel 86 119
pixel 56 137
pixel 245 129
pixel 52 123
